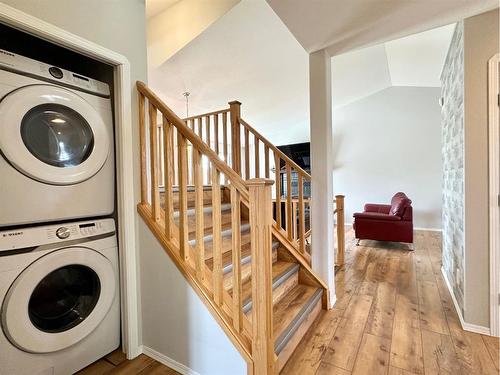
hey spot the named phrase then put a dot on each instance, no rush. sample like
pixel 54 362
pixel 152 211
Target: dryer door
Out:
pixel 52 135
pixel 58 300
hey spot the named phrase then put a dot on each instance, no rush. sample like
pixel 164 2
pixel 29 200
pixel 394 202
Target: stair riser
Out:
pixel 281 290
pixel 207 198
pixel 207 221
pixel 295 340
pixel 246 273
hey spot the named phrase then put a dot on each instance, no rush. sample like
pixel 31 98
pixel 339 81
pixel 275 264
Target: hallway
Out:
pixel 394 315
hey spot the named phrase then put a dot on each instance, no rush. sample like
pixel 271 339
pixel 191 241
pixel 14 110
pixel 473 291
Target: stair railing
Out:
pixel 251 155
pixel 181 155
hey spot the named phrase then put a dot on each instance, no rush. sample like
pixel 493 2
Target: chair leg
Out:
pixel 357 242
pixel 411 246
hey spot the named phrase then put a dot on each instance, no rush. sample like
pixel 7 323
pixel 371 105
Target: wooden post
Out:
pixel 235 112
pixel 339 201
pixel 261 252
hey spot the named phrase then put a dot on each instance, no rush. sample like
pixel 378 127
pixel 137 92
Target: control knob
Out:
pixel 62 233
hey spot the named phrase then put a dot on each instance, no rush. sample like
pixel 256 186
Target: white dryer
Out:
pixel 56 144
pixel 59 295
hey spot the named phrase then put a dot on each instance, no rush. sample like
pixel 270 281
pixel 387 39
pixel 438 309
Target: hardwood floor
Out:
pixel 394 315
pixel 115 363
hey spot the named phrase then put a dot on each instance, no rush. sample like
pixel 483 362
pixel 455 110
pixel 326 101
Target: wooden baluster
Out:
pixel 142 139
pixel 217 237
pixel 183 193
pixel 200 228
pixel 155 192
pixel 235 112
pixel 294 219
pixel 236 252
pixel 266 161
pixel 302 224
pixel 257 157
pixel 191 124
pixel 289 201
pixel 260 215
pixel 247 154
pixel 277 164
pixel 224 137
pixel 159 154
pixel 340 230
pixel 208 142
pixel 216 134
pixel 224 142
pixel 168 151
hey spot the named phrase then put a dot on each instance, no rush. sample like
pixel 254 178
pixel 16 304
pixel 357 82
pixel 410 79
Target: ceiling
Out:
pixel 155 7
pixel 341 26
pixel 267 70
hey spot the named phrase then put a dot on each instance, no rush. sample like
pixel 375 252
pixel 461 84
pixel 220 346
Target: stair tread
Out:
pixel 226 241
pixel 290 308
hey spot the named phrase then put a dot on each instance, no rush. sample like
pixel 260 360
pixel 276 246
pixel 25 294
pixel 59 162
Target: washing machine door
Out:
pixel 52 134
pixel 58 300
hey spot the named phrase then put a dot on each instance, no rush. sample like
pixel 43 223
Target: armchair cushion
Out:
pixel 376 216
pixel 380 208
pixel 399 202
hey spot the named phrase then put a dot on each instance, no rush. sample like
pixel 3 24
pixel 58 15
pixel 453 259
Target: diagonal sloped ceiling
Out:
pixel 341 25
pixel 267 70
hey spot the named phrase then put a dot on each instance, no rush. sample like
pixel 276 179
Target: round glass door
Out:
pixel 64 298
pixel 57 135
pixel 53 135
pixel 58 300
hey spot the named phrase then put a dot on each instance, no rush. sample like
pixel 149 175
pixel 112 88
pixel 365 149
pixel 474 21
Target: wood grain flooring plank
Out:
pixel 373 356
pixel 492 344
pixel 381 315
pixel 406 347
pixel 343 347
pixel 328 369
pixel 439 354
pixel 431 311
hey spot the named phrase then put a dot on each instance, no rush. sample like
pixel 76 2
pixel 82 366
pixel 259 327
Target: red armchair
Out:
pixel 384 222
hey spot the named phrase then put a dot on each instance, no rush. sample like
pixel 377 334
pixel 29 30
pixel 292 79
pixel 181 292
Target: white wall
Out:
pixel 169 304
pixel 390 142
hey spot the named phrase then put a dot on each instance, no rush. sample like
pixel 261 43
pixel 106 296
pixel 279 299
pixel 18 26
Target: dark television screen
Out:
pixel 300 153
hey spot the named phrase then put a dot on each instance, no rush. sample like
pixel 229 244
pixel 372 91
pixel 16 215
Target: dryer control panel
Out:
pixel 54 233
pixel 29 67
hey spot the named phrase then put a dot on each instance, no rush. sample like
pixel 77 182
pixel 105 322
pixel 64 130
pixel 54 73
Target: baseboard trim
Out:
pixel 167 361
pixel 465 326
pixel 428 229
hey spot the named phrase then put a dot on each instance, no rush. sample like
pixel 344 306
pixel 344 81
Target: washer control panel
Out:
pixel 24 65
pixel 54 233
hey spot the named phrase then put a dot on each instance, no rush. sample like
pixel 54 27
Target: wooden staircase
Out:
pixel 226 233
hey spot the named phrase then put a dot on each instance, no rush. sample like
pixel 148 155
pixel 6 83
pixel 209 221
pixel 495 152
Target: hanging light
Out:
pixel 186 96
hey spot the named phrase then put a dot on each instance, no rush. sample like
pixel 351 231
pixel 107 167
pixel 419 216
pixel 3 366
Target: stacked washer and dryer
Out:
pixel 59 270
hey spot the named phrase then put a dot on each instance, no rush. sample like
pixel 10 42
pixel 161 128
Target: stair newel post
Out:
pixel 235 113
pixel 260 217
pixel 339 203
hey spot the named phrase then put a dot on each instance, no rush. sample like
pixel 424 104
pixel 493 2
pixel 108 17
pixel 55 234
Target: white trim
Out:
pixel 465 326
pixel 494 189
pixel 167 361
pixel 124 160
pixel 428 229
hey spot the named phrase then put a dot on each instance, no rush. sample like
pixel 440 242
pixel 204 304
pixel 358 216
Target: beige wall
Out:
pixel 481 41
pixel 175 27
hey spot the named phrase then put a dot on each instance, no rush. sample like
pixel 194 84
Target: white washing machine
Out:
pixel 59 295
pixel 56 144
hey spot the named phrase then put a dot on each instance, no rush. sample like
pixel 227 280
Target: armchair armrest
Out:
pixel 376 216
pixel 380 208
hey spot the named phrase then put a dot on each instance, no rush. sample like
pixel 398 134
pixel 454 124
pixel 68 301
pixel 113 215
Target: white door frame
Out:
pixel 124 160
pixel 494 188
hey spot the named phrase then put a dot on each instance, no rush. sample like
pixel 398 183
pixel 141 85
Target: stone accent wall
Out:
pixel 452 88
